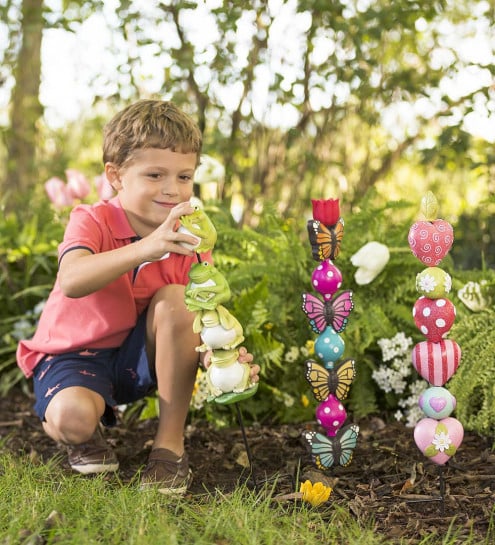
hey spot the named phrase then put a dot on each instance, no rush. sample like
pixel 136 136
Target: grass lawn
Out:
pixel 42 504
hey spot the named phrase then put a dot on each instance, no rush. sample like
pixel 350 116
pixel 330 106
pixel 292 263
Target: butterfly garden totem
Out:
pixel 438 435
pixel 221 333
pixel 328 316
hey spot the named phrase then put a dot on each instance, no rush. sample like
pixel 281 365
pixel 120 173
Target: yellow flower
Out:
pixel 304 400
pixel 268 326
pixel 197 383
pixel 315 494
pixel 310 347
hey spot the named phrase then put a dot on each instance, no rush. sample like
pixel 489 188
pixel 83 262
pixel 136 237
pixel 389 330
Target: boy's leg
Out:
pixel 171 346
pixel 72 418
pixel 73 393
pixel 73 415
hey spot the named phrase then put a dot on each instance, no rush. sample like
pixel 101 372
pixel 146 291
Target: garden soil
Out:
pixel 389 486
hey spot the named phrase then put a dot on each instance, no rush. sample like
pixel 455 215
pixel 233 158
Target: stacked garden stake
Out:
pixel 228 379
pixel 331 379
pixel 436 359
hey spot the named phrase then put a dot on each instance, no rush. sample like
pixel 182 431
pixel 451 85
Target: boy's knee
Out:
pixel 168 307
pixel 73 415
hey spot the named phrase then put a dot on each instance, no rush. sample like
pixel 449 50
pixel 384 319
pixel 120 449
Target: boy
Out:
pixel 115 326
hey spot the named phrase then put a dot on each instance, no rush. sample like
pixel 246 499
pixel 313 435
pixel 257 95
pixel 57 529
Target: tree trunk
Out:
pixel 21 172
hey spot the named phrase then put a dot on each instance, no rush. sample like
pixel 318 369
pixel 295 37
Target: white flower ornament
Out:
pixel 370 261
pixel 209 170
pixel 471 295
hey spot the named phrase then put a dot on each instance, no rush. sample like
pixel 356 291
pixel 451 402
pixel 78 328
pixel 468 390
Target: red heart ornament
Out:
pixel 438 439
pixel 434 317
pixel 430 241
pixel 436 362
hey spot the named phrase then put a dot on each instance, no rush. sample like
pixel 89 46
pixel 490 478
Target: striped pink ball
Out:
pixel 436 362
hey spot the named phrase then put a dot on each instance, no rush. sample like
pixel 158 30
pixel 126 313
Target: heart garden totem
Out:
pixel 328 312
pixel 438 435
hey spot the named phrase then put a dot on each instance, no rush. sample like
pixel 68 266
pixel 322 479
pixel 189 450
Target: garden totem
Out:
pixel 228 380
pixel 438 435
pixel 328 317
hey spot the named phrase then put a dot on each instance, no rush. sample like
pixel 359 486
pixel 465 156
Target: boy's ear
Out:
pixel 112 174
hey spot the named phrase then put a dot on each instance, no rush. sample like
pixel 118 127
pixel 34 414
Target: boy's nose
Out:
pixel 169 187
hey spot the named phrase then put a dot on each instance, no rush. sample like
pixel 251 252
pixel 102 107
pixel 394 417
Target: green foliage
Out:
pixel 473 384
pixel 28 262
pixel 268 268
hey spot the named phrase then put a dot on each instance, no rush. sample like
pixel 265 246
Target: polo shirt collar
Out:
pixel 117 220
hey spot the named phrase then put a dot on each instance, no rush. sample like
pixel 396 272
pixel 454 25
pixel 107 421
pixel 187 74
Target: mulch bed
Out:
pixel 389 485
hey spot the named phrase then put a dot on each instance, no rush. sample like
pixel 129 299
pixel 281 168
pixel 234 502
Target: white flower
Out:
pixel 288 400
pixel 370 261
pixel 201 391
pixel 426 283
pixel 470 294
pixel 414 415
pixel 292 355
pixel 209 170
pixel 447 285
pixel 442 441
pixel 23 329
pixel 39 307
pixel 397 346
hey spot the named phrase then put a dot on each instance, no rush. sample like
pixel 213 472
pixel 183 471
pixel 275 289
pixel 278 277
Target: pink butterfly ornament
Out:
pixel 333 312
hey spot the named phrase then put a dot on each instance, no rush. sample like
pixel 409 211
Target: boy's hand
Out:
pixel 247 357
pixel 166 238
pixel 244 357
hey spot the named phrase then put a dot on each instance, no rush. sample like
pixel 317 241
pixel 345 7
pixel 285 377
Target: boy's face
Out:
pixel 152 183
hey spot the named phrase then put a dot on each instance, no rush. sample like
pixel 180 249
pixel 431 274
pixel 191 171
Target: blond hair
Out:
pixel 149 124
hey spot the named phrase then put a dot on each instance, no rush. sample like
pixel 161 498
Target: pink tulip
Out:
pixel 58 193
pixel 104 189
pixel 77 184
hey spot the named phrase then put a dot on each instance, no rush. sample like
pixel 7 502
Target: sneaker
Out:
pixel 166 472
pixel 95 456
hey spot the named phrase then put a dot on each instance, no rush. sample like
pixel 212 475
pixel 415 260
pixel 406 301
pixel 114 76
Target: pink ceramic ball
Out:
pixel 434 317
pixel 331 415
pixel 326 279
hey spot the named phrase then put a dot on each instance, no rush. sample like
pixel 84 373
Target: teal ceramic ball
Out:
pixel 329 347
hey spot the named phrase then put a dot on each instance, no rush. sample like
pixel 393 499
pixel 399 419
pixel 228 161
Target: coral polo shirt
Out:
pixel 102 319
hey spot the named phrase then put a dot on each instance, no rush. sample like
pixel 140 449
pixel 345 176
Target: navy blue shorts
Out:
pixel 119 375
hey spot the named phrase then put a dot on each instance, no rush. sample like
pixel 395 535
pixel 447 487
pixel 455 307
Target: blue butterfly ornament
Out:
pixel 329 451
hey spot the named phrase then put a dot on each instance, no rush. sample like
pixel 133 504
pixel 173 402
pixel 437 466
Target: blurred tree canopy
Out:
pixel 296 98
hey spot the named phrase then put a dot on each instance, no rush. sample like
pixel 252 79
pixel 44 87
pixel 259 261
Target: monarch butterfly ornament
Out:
pixel 335 381
pixel 325 241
